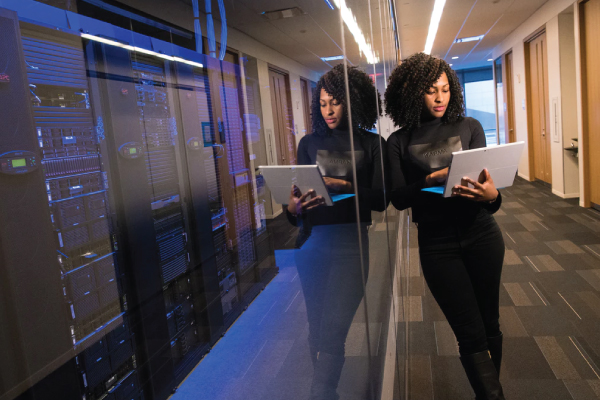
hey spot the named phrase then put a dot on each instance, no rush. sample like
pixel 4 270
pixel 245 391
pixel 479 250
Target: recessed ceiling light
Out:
pixel 490 59
pixel 469 39
pixel 454 58
pixel 450 64
pixel 436 16
pixel 332 58
pixel 285 13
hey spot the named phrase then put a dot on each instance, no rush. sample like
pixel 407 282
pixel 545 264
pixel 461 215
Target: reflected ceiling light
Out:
pixel 103 40
pixel 332 58
pixel 454 58
pixel 436 16
pixel 329 4
pixel 350 20
pixel 139 50
pixel 469 39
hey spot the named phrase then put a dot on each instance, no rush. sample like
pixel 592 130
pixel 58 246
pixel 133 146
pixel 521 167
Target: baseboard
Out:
pixel 275 215
pixel 565 195
pixel 526 177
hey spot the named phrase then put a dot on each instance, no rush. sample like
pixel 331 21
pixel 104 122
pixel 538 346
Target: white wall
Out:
pixel 554 95
pixel 547 16
pixel 568 77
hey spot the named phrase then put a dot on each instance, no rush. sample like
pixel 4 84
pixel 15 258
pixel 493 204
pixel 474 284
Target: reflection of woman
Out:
pixel 329 262
pixel 460 245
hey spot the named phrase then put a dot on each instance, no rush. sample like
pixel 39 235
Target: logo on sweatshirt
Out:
pixel 338 164
pixel 436 155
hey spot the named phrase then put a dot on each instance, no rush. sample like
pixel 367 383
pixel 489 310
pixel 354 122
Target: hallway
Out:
pixel 549 306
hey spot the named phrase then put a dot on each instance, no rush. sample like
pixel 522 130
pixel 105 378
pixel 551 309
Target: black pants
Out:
pixel 330 270
pixel 462 263
pixel 329 267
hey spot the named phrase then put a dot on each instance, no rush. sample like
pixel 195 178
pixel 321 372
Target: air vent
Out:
pixel 285 13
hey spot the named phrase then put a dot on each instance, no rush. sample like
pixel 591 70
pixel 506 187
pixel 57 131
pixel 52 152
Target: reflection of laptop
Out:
pixel 280 178
pixel 501 161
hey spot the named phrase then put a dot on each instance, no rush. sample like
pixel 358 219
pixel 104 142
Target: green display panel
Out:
pixel 20 162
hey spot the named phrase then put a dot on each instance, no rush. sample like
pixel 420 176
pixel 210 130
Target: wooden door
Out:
pixel 282 118
pixel 509 100
pixel 590 83
pixel 538 113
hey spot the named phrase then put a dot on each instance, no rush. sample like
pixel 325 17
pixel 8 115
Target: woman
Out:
pixel 329 262
pixel 460 245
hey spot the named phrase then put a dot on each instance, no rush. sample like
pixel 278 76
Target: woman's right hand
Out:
pixel 298 202
pixel 437 178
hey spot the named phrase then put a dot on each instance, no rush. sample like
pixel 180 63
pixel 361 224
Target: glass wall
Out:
pixel 149 246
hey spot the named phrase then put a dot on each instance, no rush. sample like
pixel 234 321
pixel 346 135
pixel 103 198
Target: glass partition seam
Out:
pixel 356 203
pixel 406 327
pixel 392 261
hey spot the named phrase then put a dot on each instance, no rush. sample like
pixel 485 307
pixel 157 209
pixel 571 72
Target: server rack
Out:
pixel 32 346
pixel 146 222
pixel 77 193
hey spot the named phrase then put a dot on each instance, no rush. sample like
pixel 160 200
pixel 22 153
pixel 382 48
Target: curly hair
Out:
pixel 407 86
pixel 364 98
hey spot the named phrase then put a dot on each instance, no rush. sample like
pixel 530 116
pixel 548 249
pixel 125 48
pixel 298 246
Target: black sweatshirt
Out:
pixel 331 151
pixel 414 155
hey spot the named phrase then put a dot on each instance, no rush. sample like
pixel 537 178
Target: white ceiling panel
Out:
pixel 317 34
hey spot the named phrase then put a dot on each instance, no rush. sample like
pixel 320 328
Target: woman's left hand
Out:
pixel 335 185
pixel 484 190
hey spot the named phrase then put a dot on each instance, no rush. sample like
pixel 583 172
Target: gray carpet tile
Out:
pixel 549 306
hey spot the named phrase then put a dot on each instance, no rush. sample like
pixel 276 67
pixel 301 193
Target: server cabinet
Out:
pixel 210 248
pixel 77 192
pixel 235 189
pixel 34 328
pixel 152 235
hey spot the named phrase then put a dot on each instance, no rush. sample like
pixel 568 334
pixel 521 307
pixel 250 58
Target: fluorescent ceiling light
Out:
pixel 454 58
pixel 490 59
pixel 333 58
pixel 436 16
pixel 139 49
pixel 469 39
pixel 364 47
pixel 329 4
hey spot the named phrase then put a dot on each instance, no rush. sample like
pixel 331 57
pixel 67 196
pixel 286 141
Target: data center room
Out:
pixel 143 255
pixel 138 226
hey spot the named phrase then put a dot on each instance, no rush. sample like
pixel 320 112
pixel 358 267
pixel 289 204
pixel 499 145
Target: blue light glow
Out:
pixel 329 4
pixel 333 58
